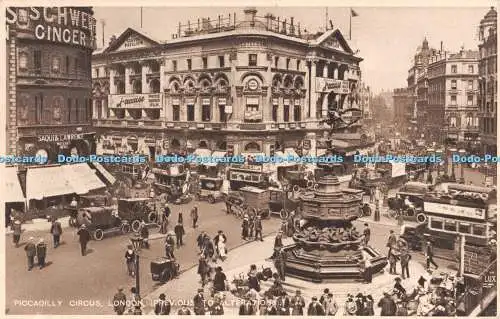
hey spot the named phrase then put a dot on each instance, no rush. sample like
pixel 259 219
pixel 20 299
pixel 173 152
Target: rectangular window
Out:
pixel 470 84
pixel 453 99
pixel 67 65
pixel 479 230
pixel 287 64
pixel 436 223
pixel 205 62
pixel 286 113
pixel 174 66
pixel 453 84
pixel 275 113
pixel 77 109
pixel 222 113
pixel 69 110
pixel 464 228
pixel 97 72
pixel 471 69
pixel 450 225
pixel 252 108
pixel 176 113
pixel 296 113
pixel 205 113
pixel 189 64
pixel 252 60
pixel 298 65
pixel 221 61
pixel 190 113
pixel 453 69
pixel 470 100
pixel 37 63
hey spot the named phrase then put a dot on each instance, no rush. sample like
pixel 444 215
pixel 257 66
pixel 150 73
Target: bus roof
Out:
pixel 469 188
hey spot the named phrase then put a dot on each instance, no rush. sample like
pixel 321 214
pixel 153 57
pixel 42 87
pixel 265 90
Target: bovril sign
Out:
pixel 331 85
pixel 129 101
pixel 56 24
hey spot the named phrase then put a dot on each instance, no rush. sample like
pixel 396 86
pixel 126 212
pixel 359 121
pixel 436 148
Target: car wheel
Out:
pixel 98 234
pixel 152 217
pixel 211 199
pixel 421 218
pixel 136 225
pixel 125 228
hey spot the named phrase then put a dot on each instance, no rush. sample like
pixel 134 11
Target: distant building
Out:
pixel 403 101
pixel 487 101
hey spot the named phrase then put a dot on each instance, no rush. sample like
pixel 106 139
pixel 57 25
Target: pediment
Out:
pixel 131 40
pixel 336 41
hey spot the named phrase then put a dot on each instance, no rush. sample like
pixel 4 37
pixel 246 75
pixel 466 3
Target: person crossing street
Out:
pixel 41 253
pixel 194 216
pixel 179 232
pixel 56 231
pixel 30 249
pixel 84 235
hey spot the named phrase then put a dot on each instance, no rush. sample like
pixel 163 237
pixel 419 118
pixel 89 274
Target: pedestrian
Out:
pixel 56 231
pixel 388 305
pixel 258 228
pixel 270 308
pixel 350 307
pixel 298 303
pixel 200 240
pixel 228 207
pixel 180 220
pixel 369 306
pixel 84 238
pixel 324 295
pixel 144 231
pixel 315 308
pixel 184 311
pixel 194 216
pixel 208 248
pixel 203 270
pixel 404 258
pixel 366 234
pixel 251 224
pixel 253 281
pixel 401 291
pixel 120 302
pixel 219 280
pixel 245 227
pixel 367 271
pixel 429 254
pixel 199 303
pixel 278 240
pixel 16 228
pixel 179 232
pixel 283 304
pixel 162 306
pixel 169 249
pixel 391 241
pixel 330 305
pixel 74 203
pixel 41 253
pixel 220 245
pixel 130 260
pixel 246 307
pixel 392 262
pixel 280 262
pixel 30 249
pixel 217 309
pixel 360 305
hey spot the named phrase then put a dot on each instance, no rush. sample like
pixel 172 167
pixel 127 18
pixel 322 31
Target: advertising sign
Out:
pixel 132 101
pixel 398 169
pixel 456 211
pixel 59 137
pixel 325 85
pixel 67 25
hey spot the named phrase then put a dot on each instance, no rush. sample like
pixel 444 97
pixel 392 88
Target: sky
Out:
pixel 387 37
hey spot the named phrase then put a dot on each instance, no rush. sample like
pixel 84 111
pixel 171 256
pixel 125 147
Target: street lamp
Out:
pixel 462 152
pixel 452 151
pixel 137 244
pixel 439 153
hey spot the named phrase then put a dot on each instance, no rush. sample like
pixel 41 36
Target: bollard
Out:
pixel 376 216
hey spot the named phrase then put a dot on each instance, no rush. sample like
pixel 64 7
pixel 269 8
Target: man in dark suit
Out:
pixel 283 304
pixel 429 253
pixel 84 238
pixel 162 306
pixel 56 231
pixel 199 303
pixel 30 249
pixel 315 308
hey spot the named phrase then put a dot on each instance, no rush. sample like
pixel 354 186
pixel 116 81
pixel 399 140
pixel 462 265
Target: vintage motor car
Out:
pixel 280 204
pixel 136 210
pixel 163 269
pixel 298 180
pixel 102 221
pixel 210 189
pixel 249 200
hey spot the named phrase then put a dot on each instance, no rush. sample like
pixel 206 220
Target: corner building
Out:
pixel 249 85
pixel 49 98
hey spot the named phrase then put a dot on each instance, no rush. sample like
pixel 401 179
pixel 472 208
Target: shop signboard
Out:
pixel 476 259
pixel 325 85
pixel 134 101
pixel 455 211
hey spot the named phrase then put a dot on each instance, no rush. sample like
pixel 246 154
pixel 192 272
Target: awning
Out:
pixel 202 152
pixel 13 192
pixel 217 154
pixel 320 151
pixel 340 144
pixel 107 175
pixel 47 181
pixel 83 178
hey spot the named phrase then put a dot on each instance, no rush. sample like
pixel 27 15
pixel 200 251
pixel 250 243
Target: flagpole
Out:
pixel 350 24
pixel 141 17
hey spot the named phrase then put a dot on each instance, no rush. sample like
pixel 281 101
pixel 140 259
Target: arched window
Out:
pixel 252 147
pixel 175 143
pixel 154 86
pixel 203 144
pixel 137 87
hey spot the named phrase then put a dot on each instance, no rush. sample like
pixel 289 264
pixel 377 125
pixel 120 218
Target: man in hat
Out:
pixel 199 303
pixel 429 254
pixel 41 253
pixel 278 240
pixel 162 306
pixel 330 305
pixel 219 280
pixel 322 299
pixel 399 288
pixel 144 231
pixel 283 304
pixel 257 225
pixel 56 231
pixel 350 306
pixel 74 203
pixel 246 307
pixel 119 302
pixel 194 216
pixel 130 260
pixel 315 308
pixel 169 248
pixel 220 244
pixel 30 249
pixel 245 227
pixel 280 262
pixel 388 305
pixel 84 238
pixel 404 258
pixel 184 311
pixel 391 241
pixel 298 303
pixel 16 228
pixel 203 270
pixel 179 232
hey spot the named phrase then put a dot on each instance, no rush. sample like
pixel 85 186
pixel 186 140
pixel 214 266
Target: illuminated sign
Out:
pixel 131 101
pixel 456 211
pixel 325 85
pixel 56 24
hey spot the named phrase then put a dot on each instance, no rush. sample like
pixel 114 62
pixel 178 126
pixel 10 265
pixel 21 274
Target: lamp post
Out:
pixel 137 244
pixel 439 153
pixel 462 152
pixel 452 176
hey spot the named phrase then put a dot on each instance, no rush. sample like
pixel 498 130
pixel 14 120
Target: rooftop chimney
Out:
pixel 250 14
pixel 441 46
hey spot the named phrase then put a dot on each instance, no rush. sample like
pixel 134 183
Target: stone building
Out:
pixel 249 85
pixel 403 101
pixel 48 80
pixel 452 97
pixel 487 101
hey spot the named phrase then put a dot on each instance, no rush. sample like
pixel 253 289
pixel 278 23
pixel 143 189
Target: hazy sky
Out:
pixel 386 37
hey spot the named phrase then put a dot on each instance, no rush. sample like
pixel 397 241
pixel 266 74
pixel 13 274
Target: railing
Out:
pixel 476 299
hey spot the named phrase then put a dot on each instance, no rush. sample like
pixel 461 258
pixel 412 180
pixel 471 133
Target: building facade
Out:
pixel 403 100
pixel 49 96
pixel 250 85
pixel 487 102
pixel 453 92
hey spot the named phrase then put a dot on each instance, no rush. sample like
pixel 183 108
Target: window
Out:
pixel 479 230
pixel 453 121
pixel 298 65
pixel 190 113
pixel 471 69
pixel 286 113
pixel 275 113
pixel 176 113
pixel 287 64
pixel 56 65
pixel 37 61
pixel 470 99
pixel 453 69
pixel 39 108
pixel 453 100
pixel 189 64
pixel 23 15
pixel 69 110
pixel 276 60
pixel 23 61
pixel 174 66
pixel 76 65
pixel 450 226
pixel 296 113
pixel 453 84
pixel 221 61
pixel 67 65
pixel 222 113
pixel 436 223
pixel 205 113
pixel 470 84
pixel 252 60
pixel 77 110
pixel 97 72
pixel 464 228
pixel 252 108
pixel 205 62
pixel 469 120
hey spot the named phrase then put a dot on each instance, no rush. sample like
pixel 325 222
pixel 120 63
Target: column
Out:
pixel 313 94
pixel 162 75
pixel 112 86
pixel 95 109
pixel 325 70
pixel 336 72
pixel 144 71
pixel 198 109
pixel 324 106
pixel 305 104
pixel 281 108
pixel 128 85
pixel 214 116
